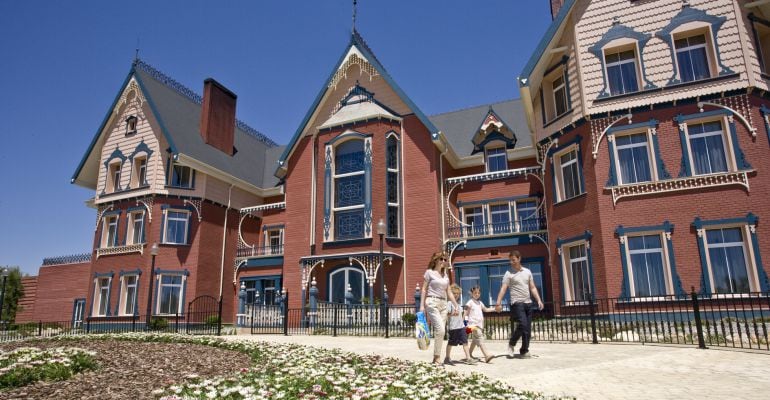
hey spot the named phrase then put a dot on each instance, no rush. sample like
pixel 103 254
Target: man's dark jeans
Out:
pixel 521 313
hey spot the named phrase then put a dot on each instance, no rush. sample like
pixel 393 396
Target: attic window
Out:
pixel 131 125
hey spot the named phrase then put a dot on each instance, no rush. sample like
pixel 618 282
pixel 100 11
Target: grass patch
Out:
pixel 27 365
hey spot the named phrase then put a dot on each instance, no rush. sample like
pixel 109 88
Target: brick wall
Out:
pixel 25 311
pixel 57 288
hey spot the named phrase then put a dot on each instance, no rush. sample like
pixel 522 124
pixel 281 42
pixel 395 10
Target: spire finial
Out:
pixel 136 53
pixel 355 3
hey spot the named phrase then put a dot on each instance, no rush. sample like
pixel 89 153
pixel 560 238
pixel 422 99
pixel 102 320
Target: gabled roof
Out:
pixel 459 127
pixel 177 110
pixel 545 41
pixel 358 42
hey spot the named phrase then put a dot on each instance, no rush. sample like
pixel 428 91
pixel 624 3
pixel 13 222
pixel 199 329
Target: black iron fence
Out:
pixel 715 320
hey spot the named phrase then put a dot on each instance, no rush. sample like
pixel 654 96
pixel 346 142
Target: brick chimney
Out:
pixel 218 116
pixel 555 7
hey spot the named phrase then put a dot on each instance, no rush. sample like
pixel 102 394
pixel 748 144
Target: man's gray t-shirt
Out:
pixel 518 285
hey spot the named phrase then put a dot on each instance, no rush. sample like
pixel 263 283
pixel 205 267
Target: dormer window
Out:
pixel 621 71
pixel 131 125
pixel 555 96
pixel 692 57
pixel 496 159
pixel 182 176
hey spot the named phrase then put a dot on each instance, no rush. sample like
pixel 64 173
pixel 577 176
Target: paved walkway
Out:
pixel 603 371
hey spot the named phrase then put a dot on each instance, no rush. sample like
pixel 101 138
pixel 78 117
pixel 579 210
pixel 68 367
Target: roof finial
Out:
pixel 136 54
pixel 355 3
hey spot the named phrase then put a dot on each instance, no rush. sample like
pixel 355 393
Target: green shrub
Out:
pixel 212 320
pixel 409 319
pixel 158 324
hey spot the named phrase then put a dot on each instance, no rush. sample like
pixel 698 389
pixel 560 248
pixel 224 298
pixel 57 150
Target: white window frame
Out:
pixel 727 143
pixel 569 279
pixel 650 154
pixel 161 286
pixel 687 33
pixel 490 221
pixel 617 49
pixel 140 171
pixel 131 124
pixel 124 295
pixel 188 184
pixel 515 206
pixel 489 157
pixel 556 89
pixel 333 189
pixel 102 287
pixel 748 256
pixel 133 218
pixel 667 274
pixel 559 173
pixel 166 218
pixel 110 230
pixel 268 236
pixel 113 176
pixel 470 229
pixel 345 271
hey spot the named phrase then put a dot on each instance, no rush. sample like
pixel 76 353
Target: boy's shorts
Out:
pixel 458 337
pixel 477 335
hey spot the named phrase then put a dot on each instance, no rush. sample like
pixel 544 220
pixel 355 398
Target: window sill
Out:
pixel 707 80
pixel 348 242
pixel 115 250
pixel 581 195
pixel 180 187
pixel 124 191
pixel 394 240
pixel 174 244
pixel 556 118
pixel 680 184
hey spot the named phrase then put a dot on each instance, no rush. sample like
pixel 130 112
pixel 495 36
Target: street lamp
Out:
pixel 381 232
pixel 2 295
pixel 154 252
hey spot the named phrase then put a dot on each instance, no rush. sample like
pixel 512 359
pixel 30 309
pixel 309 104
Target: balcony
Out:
pixel 109 251
pixel 265 251
pixel 517 227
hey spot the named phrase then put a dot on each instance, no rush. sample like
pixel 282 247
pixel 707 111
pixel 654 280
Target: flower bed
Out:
pixel 290 371
pixel 25 365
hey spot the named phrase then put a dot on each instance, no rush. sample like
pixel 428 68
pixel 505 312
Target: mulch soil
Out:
pixel 130 370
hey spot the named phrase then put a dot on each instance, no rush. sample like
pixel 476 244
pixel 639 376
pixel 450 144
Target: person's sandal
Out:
pixel 470 361
pixel 448 362
pixel 436 360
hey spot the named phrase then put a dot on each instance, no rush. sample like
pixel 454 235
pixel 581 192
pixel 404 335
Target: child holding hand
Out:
pixel 475 310
pixel 457 334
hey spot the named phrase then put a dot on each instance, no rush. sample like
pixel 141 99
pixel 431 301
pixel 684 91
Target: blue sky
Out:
pixel 63 63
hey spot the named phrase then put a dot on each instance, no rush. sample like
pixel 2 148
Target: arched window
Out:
pixel 339 280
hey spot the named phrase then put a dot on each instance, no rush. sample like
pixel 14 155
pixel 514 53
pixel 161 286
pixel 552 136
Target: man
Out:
pixel 522 287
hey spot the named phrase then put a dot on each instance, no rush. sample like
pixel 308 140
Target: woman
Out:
pixel 435 290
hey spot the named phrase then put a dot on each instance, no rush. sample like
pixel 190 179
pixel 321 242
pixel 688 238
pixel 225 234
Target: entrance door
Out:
pixel 77 313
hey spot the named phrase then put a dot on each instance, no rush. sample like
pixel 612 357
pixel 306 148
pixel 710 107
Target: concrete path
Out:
pixel 603 371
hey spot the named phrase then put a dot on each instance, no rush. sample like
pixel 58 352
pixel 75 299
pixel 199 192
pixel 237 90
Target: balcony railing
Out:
pixel 68 259
pixel 527 225
pixel 264 251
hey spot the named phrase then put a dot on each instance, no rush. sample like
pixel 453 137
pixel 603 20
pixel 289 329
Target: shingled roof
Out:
pixel 460 126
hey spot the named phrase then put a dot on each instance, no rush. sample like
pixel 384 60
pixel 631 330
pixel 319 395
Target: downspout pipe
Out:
pixel 224 240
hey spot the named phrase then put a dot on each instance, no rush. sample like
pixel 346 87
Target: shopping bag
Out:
pixel 421 331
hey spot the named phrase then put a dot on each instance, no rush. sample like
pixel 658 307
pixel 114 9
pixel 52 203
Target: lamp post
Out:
pixel 154 252
pixel 381 232
pixel 2 295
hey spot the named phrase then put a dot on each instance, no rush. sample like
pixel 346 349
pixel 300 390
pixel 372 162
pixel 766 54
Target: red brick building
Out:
pixel 630 168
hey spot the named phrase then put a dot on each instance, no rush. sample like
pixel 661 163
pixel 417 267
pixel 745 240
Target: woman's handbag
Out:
pixel 421 331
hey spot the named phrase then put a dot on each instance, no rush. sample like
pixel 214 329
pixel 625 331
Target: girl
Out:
pixel 475 310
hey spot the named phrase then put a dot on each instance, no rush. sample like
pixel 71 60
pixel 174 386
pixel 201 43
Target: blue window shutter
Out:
pixel 672 263
pixel 125 229
pixel 144 227
pixel 661 166
pixel 685 169
pixel 580 170
pixel 740 158
pixel 328 193
pixel 188 239
pixel 109 292
pixel 183 295
pixel 625 290
pixel 561 270
pixel 764 284
pixel 117 306
pixel 612 180
pixel 701 238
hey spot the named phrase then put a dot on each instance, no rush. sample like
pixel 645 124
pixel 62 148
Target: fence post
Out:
pixel 133 323
pixel 187 325
pixel 349 304
pixel 176 324
pixel 285 313
pixel 336 312
pixel 219 317
pixel 592 305
pixel 40 328
pixel 88 325
pixel 313 303
pixel 385 317
pixel 696 312
pixel 417 298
